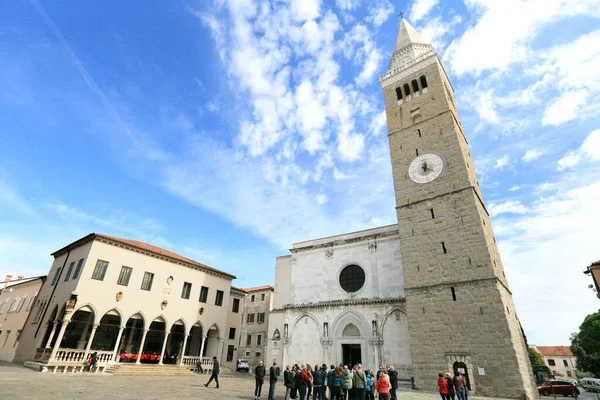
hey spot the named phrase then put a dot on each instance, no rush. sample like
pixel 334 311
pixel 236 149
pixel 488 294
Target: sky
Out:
pixel 227 130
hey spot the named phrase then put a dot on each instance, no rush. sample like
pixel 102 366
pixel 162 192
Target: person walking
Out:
pixel 460 386
pixel 359 383
pixel 443 387
pixel 393 375
pixel 383 386
pixel 370 389
pixel 288 382
pixel 346 382
pixel 94 361
pixel 450 383
pixel 272 380
pixel 259 377
pixel 215 373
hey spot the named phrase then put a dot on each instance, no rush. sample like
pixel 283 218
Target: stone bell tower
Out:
pixel 461 315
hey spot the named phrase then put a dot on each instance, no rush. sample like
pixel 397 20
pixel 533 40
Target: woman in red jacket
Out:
pixel 383 386
pixel 443 385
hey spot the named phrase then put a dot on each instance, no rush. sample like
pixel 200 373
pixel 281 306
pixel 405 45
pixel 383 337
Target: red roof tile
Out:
pixel 555 350
pixel 159 251
pixel 259 288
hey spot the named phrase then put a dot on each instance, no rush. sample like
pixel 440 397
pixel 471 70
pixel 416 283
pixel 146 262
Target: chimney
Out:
pixel 21 277
pixel 8 278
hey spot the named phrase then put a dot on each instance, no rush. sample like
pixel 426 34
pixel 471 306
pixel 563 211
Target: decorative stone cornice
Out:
pixel 339 303
pixel 329 245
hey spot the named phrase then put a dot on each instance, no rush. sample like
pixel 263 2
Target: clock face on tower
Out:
pixel 425 168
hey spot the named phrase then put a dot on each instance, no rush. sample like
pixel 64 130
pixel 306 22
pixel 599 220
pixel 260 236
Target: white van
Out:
pixel 591 384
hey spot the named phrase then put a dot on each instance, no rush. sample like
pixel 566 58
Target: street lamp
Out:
pixel 594 270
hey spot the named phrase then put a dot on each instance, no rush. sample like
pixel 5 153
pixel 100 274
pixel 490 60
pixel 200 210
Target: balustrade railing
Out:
pixel 192 361
pixel 42 353
pixel 70 355
pixel 104 357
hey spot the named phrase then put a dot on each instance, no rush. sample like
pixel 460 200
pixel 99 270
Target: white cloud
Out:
pixel 421 8
pixel 565 108
pixel 514 188
pixel 378 123
pixel 380 12
pixel 532 154
pixel 590 149
pixel 322 198
pixel 306 9
pixel 502 162
pixel 434 29
pixel 508 207
pixel 347 4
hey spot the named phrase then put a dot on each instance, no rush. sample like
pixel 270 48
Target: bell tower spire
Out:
pixel 459 307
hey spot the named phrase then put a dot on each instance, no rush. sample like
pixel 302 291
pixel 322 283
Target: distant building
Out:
pixel 128 301
pixel 16 300
pixel 560 360
pixel 233 331
pixel 255 325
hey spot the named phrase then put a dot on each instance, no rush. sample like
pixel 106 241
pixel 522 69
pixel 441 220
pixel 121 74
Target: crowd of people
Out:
pixel 453 386
pixel 333 383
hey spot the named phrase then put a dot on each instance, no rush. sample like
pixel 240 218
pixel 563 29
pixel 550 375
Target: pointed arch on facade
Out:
pixel 350 317
pixel 391 313
pixel 141 314
pixel 299 317
pixel 216 325
pixel 89 308
pixel 185 325
pixel 160 317
pixel 197 323
pixel 118 311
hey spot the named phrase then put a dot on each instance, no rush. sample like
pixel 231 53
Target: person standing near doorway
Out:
pixel 215 373
pixel 359 383
pixel 272 381
pixel 393 375
pixel 259 376
pixel 460 386
pixel 443 387
pixel 288 382
pixel 450 383
pixel 346 382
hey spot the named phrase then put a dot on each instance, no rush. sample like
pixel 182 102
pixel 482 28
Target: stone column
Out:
pixel 139 358
pixel 116 349
pixel 162 351
pixel 89 343
pixel 185 339
pixel 82 337
pixel 61 333
pixel 49 342
pixel 202 346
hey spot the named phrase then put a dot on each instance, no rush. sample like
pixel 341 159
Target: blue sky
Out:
pixel 228 130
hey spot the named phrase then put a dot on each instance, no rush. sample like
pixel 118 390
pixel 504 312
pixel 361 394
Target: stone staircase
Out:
pixel 148 370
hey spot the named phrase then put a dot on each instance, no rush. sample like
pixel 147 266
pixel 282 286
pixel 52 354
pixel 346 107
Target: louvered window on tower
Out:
pixel 423 80
pixel 415 85
pixel 398 94
pixel 406 89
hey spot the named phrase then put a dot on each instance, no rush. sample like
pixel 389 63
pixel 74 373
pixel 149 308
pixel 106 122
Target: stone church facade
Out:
pixel 428 295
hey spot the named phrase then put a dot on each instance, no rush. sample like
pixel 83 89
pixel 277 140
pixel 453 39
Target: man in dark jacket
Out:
pixel 215 373
pixel 319 383
pixel 393 375
pixel 272 381
pixel 259 375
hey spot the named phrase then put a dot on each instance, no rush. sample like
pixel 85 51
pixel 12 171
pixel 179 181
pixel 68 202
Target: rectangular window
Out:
pixel 203 294
pixel 68 275
pixel 187 289
pixel 248 340
pixel 231 333
pixel 219 298
pixel 259 340
pixel 261 318
pixel 566 364
pixel 3 306
pixel 453 294
pixel 13 305
pixel 100 270
pixel 250 318
pixel 32 301
pixel 258 354
pixel 78 269
pixel 262 297
pixel 551 362
pixel 124 276
pixel 20 304
pixel 252 298
pixel 55 279
pixel 230 350
pixel 18 337
pixel 236 305
pixel 147 281
pixel 247 354
pixel 569 373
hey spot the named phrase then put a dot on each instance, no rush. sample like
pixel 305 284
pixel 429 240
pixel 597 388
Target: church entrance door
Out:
pixel 462 367
pixel 351 354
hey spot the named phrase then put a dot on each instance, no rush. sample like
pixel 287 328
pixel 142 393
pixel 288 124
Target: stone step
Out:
pixel 149 370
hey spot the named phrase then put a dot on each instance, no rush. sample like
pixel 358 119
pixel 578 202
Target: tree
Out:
pixel 585 344
pixel 535 357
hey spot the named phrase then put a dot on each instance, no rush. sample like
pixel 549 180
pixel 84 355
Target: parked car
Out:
pixel 591 384
pixel 243 365
pixel 565 388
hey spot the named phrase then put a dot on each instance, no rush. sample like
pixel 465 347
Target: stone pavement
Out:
pixel 17 382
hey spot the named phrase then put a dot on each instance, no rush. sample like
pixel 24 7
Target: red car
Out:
pixel 565 388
